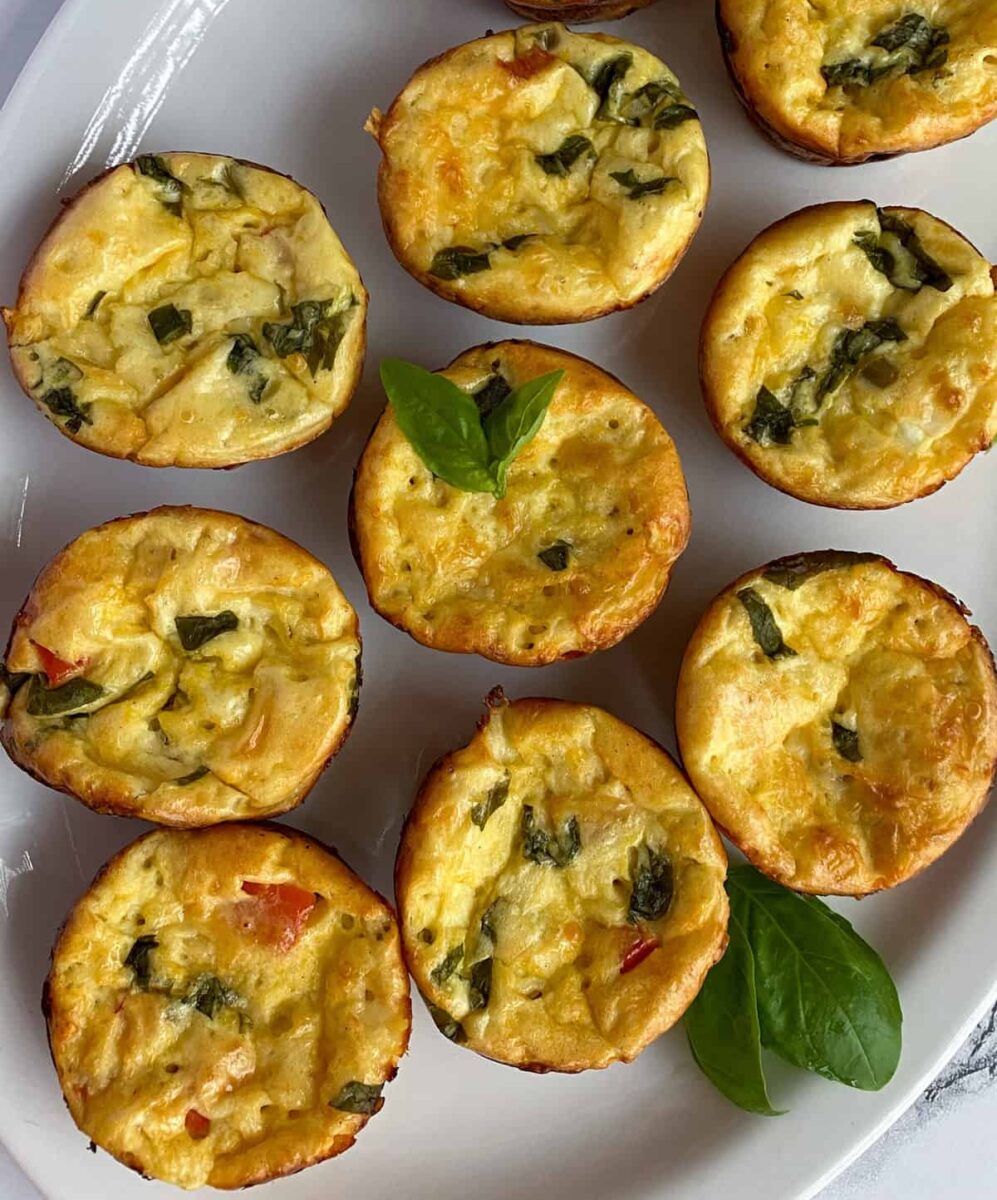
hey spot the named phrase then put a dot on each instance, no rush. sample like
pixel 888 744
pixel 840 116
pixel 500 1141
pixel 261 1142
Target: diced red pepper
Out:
pixel 57 670
pixel 535 60
pixel 646 944
pixel 276 914
pixel 197 1126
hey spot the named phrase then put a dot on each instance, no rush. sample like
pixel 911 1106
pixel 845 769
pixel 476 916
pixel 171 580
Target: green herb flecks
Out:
pixel 764 627
pixel 67 698
pixel 479 984
pixel 549 849
pixel 556 556
pixel 497 796
pixel 772 423
pixel 637 189
pixel 912 45
pixel 171 189
pixel 208 996
pixel 244 359
pixel 454 262
pixel 561 160
pixel 62 403
pixel 194 631
pixel 449 1026
pixel 846 742
pixel 316 330
pixel 169 323
pixel 446 966
pixel 137 960
pixel 794 570
pixel 357 1097
pixel 653 885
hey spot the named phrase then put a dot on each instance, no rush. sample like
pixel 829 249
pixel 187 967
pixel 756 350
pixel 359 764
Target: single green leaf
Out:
pixel 794 570
pixel 637 189
pixel 454 262
pixel 357 1097
pixel 556 556
pixel 638 107
pixel 674 115
pixel 549 849
pixel 516 420
pixel 449 1026
pixel 723 1030
pixel 169 323
pixel 653 885
pixel 826 1002
pixel 137 960
pixel 851 346
pixel 442 424
pixel 194 631
pixel 316 329
pixel 846 742
pixel 561 160
pixel 764 627
pixel 171 189
pixel 446 966
pixel 497 795
pixel 68 697
pixel 479 984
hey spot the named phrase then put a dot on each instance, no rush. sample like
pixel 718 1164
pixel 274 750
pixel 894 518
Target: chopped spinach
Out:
pixel 137 960
pixel 209 995
pixel 492 392
pixel 194 631
pixel 244 359
pixel 846 742
pixel 67 698
pixel 316 329
pixel 94 304
pixel 555 557
pixel 357 1097
pixel 794 570
pixel 497 795
pixel 479 984
pixel 456 261
pixel 637 189
pixel 764 626
pixel 548 849
pixel 446 966
pixel 653 885
pixel 62 403
pixel 171 189
pixel 560 161
pixel 449 1026
pixel 169 323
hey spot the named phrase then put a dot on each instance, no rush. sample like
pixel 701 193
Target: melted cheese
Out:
pixel 558 998
pixel 460 174
pixel 884 655
pixel 253 714
pixel 780 308
pixel 288 1028
pixel 245 247
pixel 776 49
pixel 460 570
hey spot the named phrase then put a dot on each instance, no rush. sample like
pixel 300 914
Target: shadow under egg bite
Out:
pixel 185 666
pixel 855 80
pixel 224 1006
pixel 849 355
pixel 838 717
pixel 576 554
pixel 560 889
pixel 576 10
pixel 541 176
pixel 190 310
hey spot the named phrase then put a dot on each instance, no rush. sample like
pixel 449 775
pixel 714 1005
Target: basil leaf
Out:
pixel 137 960
pixel 488 921
pixel 927 269
pixel 457 261
pixel 772 422
pixel 442 424
pixel 92 307
pixel 794 570
pixel 547 849
pixel 854 72
pixel 564 157
pixel 723 1029
pixel 555 557
pixel 881 258
pixel 607 83
pixel 446 1024
pixel 517 239
pixel 208 995
pixel 67 698
pixel 357 1097
pixel 497 795
pixel 479 986
pixel 492 392
pixel 674 115
pixel 851 345
pixel 653 885
pixel 764 627
pixel 171 189
pixel 638 188
pixel 244 359
pixel 194 631
pixel 169 323
pixel 315 330
pixel 193 777
pixel 446 966
pixel 846 742
pixel 826 1002
pixel 12 680
pixel 913 45
pixel 62 403
pixel 516 420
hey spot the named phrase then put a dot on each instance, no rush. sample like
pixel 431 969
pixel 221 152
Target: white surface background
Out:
pixel 943 1148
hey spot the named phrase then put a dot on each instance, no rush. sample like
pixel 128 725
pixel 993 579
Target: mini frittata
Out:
pixel 845 81
pixel 190 310
pixel 560 889
pixel 849 356
pixel 575 555
pixel 839 719
pixel 225 1006
pixel 542 176
pixel 185 666
pixel 576 10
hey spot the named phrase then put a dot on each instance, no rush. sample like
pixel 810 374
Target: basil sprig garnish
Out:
pixel 798 980
pixel 444 424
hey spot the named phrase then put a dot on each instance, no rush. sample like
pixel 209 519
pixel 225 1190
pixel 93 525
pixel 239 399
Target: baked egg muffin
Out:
pixel 183 665
pixel 190 310
pixel 849 356
pixel 225 1006
pixel 846 81
pixel 560 889
pixel 576 10
pixel 575 555
pixel 541 176
pixel 839 719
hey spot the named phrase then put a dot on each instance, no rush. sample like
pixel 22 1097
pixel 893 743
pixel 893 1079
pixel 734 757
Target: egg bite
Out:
pixel 849 356
pixel 541 176
pixel 575 555
pixel 839 719
pixel 560 888
pixel 572 10
pixel 852 80
pixel 185 666
pixel 225 1005
pixel 190 310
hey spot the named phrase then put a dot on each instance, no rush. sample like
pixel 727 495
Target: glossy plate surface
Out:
pixel 290 85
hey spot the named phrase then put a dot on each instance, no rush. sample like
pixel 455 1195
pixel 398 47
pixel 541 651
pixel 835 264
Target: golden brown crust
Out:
pixel 569 10
pixel 778 310
pixel 110 1068
pixel 573 984
pixel 461 571
pixel 240 728
pixel 833 126
pixel 852 762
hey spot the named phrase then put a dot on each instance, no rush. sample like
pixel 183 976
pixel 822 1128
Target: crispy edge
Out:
pixel 567 10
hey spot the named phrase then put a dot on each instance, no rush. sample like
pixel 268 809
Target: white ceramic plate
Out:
pixel 290 85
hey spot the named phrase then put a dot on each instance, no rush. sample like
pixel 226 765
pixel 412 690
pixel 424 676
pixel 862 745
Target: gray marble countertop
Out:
pixel 941 1148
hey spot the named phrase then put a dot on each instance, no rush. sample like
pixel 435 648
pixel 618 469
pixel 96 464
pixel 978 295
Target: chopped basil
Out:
pixel 653 885
pixel 357 1097
pixel 674 115
pixel 923 268
pixel 194 631
pixel 457 261
pixel 497 795
pixel 912 45
pixel 171 189
pixel 555 557
pixel 193 777
pixel 854 72
pixel 852 345
pixel 764 626
pixel 772 422
pixel 846 742
pixel 446 1024
pixel 67 698
pixel 137 960
pixel 479 984
pixel 446 966
pixel 636 188
pixel 244 359
pixel 209 995
pixel 565 156
pixel 92 307
pixel 607 83
pixel 878 255
pixel 488 921
pixel 62 403
pixel 794 570
pixel 548 849
pixel 316 329
pixel 492 392
pixel 169 323
pixel 517 239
